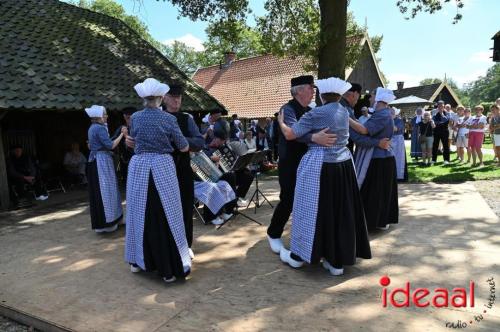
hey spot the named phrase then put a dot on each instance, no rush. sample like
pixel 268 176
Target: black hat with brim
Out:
pixel 215 111
pixel 221 129
pixel 176 90
pixel 302 80
pixel 129 110
pixel 355 87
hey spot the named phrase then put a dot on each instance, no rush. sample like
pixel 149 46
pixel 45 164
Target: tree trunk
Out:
pixel 332 48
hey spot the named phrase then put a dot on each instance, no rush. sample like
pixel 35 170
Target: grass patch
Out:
pixel 487 144
pixel 453 172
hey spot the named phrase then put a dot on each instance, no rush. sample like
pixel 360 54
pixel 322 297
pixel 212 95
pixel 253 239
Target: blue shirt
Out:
pixel 336 118
pixel 98 139
pixel 441 121
pixel 398 122
pixel 380 125
pixel 154 131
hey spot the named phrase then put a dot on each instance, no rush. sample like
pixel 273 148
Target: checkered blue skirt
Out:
pixel 108 187
pixel 162 168
pixel 305 203
pixel 214 195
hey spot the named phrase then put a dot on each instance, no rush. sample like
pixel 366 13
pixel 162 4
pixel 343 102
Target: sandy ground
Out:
pixel 53 266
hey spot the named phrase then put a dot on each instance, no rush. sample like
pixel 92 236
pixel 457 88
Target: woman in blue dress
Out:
pixel 104 195
pixel 376 167
pixel 398 146
pixel 415 149
pixel 328 220
pixel 156 237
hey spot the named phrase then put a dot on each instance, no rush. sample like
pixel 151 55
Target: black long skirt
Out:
pixel 160 250
pixel 380 193
pixel 341 233
pixel 97 215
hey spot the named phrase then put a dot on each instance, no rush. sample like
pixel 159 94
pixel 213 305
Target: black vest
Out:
pixel 292 151
pixel 182 158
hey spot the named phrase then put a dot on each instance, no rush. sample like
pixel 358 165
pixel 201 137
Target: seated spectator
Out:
pixel 22 172
pixel 250 140
pixel 74 164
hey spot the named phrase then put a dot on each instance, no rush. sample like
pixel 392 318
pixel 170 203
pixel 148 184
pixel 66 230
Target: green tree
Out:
pixel 113 9
pixel 184 57
pixel 485 88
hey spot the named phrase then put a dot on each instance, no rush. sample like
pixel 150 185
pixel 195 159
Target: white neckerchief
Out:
pixel 419 119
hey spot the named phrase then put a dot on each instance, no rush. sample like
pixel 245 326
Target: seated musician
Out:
pixel 240 180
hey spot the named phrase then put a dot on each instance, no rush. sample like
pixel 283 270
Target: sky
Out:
pixel 429 46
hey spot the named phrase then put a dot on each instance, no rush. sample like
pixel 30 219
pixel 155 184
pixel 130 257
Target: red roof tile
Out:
pixel 252 88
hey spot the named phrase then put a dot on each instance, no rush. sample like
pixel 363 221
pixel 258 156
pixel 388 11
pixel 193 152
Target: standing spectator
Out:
pixel 476 126
pixel 426 137
pixel 495 130
pixel 234 128
pixel 254 127
pixel 364 115
pixel 268 129
pixel 22 171
pixel 415 149
pixel 441 133
pixel 452 116
pixel 398 145
pixel 75 164
pixel 462 133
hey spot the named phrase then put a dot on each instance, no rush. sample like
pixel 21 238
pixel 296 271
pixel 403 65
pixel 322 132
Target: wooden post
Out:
pixel 4 186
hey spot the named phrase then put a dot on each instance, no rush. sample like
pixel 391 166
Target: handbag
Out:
pixel 423 137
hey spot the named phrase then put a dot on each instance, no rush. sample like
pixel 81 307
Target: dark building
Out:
pixel 57 59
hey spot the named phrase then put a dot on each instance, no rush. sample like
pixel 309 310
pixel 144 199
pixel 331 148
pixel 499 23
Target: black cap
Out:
pixel 221 129
pixel 129 110
pixel 355 87
pixel 176 90
pixel 215 111
pixel 302 80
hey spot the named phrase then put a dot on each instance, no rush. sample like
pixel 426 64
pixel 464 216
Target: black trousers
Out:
pixel 287 174
pixel 243 180
pixel 186 188
pixel 228 207
pixel 19 187
pixel 442 136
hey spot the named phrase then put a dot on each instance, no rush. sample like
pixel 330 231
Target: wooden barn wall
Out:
pixel 365 71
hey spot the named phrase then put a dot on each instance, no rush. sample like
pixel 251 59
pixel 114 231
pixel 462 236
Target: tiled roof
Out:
pixel 256 87
pixel 58 56
pixel 252 88
pixel 424 91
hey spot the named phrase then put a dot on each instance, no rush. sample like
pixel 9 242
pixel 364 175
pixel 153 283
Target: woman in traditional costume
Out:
pixel 156 237
pixel 104 195
pixel 376 167
pixel 328 221
pixel 398 146
pixel 415 148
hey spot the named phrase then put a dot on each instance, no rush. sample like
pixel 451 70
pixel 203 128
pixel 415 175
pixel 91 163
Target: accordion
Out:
pixel 227 158
pixel 204 168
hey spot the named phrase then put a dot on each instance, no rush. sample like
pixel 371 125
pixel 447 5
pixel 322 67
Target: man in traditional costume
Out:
pixel 172 102
pixel 416 149
pixel 290 154
pixel 376 166
pixel 125 152
pixel 398 145
pixel 156 237
pixel 328 219
pixel 104 195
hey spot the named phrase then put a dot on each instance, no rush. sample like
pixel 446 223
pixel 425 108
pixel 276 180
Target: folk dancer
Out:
pixel 398 145
pixel 172 102
pixel 290 154
pixel 104 195
pixel 375 164
pixel 328 219
pixel 349 100
pixel 125 152
pixel 415 149
pixel 155 238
